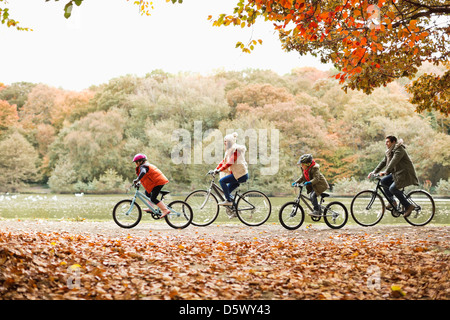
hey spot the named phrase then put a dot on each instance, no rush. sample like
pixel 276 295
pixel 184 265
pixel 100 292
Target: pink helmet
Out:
pixel 139 156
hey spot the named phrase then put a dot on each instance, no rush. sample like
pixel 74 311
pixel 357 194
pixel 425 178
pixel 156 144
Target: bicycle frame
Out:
pixel 219 192
pixel 147 200
pixel 216 188
pixel 292 213
pixel 306 200
pixel 380 188
pixel 394 209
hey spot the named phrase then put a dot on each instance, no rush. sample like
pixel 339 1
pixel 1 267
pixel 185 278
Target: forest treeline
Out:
pixel 84 141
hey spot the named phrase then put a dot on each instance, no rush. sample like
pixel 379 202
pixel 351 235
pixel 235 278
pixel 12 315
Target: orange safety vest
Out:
pixel 154 177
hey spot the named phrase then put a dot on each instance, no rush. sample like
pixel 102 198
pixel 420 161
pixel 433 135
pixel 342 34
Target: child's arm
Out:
pixel 219 167
pixel 223 166
pixel 300 180
pixel 142 172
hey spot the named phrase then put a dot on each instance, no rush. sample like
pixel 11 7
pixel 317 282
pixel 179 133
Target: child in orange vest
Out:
pixel 152 179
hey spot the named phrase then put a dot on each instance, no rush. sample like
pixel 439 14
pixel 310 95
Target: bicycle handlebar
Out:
pixel 374 176
pixel 135 185
pixel 211 172
pixel 299 185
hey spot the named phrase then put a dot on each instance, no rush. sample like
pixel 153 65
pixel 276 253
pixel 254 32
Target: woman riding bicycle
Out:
pixel 234 161
pixel 152 179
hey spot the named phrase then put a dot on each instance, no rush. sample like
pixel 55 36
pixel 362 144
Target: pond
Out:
pixel 99 208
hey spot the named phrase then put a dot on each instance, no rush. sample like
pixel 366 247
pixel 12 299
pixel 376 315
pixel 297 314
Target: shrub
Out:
pixel 350 187
pixel 443 187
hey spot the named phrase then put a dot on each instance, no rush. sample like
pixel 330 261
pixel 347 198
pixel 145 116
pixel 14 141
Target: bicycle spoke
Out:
pixel 291 216
pixel 335 215
pixel 126 215
pixel 424 208
pixel 180 216
pixel 253 208
pixel 205 207
pixel 367 208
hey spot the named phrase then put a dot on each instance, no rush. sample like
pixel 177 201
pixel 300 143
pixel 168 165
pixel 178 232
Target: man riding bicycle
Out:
pixel 399 173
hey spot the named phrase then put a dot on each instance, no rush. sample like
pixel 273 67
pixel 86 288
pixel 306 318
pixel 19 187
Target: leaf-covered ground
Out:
pixel 97 261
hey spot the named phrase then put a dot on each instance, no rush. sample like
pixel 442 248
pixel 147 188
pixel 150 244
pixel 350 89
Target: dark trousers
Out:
pixel 391 190
pixel 315 203
pixel 229 183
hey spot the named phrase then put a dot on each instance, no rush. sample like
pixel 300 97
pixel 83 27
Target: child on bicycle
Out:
pixel 314 181
pixel 152 179
pixel 234 161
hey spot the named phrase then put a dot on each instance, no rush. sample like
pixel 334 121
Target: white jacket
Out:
pixel 239 166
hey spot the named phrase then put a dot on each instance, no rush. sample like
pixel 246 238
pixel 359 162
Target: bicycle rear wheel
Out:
pixel 424 208
pixel 126 215
pixel 367 208
pixel 291 215
pixel 253 208
pixel 181 215
pixel 335 215
pixel 205 207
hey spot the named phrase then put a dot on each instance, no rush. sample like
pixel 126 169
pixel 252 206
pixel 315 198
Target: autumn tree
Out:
pixel 257 95
pixel 39 106
pixel 18 162
pixel 16 93
pixel 300 132
pixel 185 99
pixel 115 93
pixel 371 43
pixel 71 106
pixel 91 145
pixel 8 115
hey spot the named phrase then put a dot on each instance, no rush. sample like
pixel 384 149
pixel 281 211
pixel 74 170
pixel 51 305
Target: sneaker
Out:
pixel 389 206
pixel 226 203
pixel 408 211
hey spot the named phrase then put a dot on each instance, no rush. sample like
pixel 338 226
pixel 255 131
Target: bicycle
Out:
pixel 367 207
pixel 127 213
pixel 253 207
pixel 292 215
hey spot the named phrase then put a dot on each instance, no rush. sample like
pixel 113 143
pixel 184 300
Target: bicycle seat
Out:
pixel 164 192
pixel 324 195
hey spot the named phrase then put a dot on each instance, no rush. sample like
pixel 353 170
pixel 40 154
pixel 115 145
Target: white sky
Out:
pixel 105 39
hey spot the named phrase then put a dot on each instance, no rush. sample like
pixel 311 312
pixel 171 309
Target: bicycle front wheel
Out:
pixel 335 215
pixel 180 216
pixel 367 208
pixel 126 215
pixel 253 208
pixel 205 207
pixel 424 208
pixel 291 215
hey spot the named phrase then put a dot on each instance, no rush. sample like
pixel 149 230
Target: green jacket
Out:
pixel 318 181
pixel 400 166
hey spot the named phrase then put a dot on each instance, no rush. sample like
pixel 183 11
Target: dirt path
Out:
pixel 228 232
